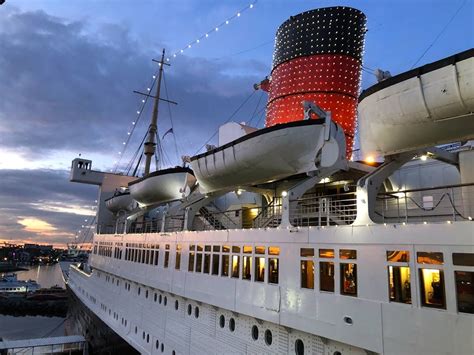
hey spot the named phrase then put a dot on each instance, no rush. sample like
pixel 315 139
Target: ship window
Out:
pixel 222 321
pixel 247 249
pixel 326 253
pixel 399 286
pixel 432 288
pixel 157 344
pixel 215 264
pixel 177 264
pixel 349 279
pixel 260 269
pixel 207 263
pixel 148 338
pixel 157 254
pixel 347 254
pixel 232 324
pixel 247 268
pixel 147 258
pixel 225 265
pixel 190 309
pixel 226 249
pixel 167 255
pixel 165 301
pixel 207 248
pixel 273 250
pixel 273 270
pixel 255 332
pixel 235 266
pixel 136 330
pixel 268 337
pixel 398 256
pixel 306 252
pixel 216 248
pixel 196 312
pixel 139 290
pixel 235 249
pixel 423 257
pixel 465 291
pixel 176 304
pixel 146 294
pixel 259 250
pixel 191 262
pixel 199 248
pixel 162 347
pixel 155 296
pixel 326 276
pixel 192 247
pixel 198 262
pixel 143 335
pixel 307 274
pixel 463 259
pixel 299 347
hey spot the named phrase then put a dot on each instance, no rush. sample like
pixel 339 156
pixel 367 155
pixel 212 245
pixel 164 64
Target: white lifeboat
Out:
pixel 270 154
pixel 120 201
pixel 423 107
pixel 162 186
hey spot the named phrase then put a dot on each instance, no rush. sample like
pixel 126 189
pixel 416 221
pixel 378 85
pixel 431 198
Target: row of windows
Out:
pixel 432 284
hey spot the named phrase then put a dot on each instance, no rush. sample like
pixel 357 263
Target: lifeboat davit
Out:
pixel 162 186
pixel 426 106
pixel 270 154
pixel 120 201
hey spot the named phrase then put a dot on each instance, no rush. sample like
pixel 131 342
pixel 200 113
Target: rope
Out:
pixel 231 116
pixel 171 118
pixel 439 34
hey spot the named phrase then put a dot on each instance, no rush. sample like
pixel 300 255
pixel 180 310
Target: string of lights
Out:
pixel 152 83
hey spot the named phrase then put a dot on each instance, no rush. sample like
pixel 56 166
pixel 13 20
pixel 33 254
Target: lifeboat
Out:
pixel 423 107
pixel 120 201
pixel 270 154
pixel 162 186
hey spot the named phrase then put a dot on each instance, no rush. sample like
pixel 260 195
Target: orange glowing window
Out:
pixel 434 258
pixel 274 250
pixel 398 256
pixel 347 254
pixel 326 253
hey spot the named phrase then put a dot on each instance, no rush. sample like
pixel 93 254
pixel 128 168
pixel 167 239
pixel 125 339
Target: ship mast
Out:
pixel 150 143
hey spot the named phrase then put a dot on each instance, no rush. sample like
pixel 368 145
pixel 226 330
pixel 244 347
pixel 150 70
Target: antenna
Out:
pixel 150 143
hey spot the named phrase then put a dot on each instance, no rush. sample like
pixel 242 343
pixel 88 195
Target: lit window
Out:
pixel 247 268
pixel 225 265
pixel 306 252
pixel 260 269
pixel 235 266
pixel 423 257
pixel 273 250
pixel 349 279
pixel 226 249
pixel 215 264
pixel 398 256
pixel 167 255
pixel 465 291
pixel 235 249
pixel 347 254
pixel 207 263
pixel 247 249
pixel 432 288
pixel 259 250
pixel 273 270
pixel 326 276
pixel 307 274
pixel 177 265
pixel 463 259
pixel 399 285
pixel 326 253
pixel 191 261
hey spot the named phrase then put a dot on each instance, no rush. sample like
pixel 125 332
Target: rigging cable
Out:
pixel 256 108
pixel 231 116
pixel 439 34
pixel 171 118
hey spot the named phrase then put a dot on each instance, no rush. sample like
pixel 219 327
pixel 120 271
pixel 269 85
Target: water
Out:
pixel 13 328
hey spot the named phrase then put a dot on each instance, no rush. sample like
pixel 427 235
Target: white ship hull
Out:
pixel 117 203
pixel 262 156
pixel 162 186
pixel 421 108
pixel 122 293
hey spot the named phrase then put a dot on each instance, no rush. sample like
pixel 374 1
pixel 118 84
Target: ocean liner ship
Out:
pixel 276 241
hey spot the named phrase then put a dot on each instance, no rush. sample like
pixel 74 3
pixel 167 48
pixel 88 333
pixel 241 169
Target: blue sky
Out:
pixel 68 69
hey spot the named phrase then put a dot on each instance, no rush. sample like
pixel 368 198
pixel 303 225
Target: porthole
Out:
pixel 165 302
pixel 143 335
pixel 146 294
pixel 196 312
pixel 299 347
pixel 190 309
pixel 268 337
pixel 160 299
pixel 173 353
pixel 136 330
pixel 222 321
pixel 157 344
pixel 155 297
pixel 337 353
pixel 148 338
pixel 255 332
pixel 139 290
pixel 162 347
pixel 176 304
pixel 231 324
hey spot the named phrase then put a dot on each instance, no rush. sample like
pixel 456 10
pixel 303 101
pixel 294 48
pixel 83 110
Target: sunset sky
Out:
pixel 68 70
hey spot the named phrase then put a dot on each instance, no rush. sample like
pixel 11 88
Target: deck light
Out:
pixel 469 218
pixel 284 193
pixel 424 157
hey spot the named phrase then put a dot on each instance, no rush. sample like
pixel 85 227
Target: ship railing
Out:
pixel 268 216
pixel 174 223
pixel 210 219
pixel 446 203
pixel 325 210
